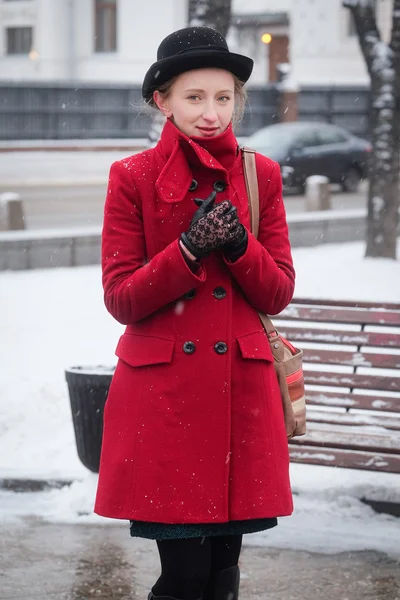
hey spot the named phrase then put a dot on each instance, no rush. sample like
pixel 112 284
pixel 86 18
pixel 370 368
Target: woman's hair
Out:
pixel 240 97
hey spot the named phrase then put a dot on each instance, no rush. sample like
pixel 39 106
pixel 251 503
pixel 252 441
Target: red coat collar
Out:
pixel 180 152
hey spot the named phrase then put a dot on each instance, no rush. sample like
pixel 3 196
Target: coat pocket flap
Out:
pixel 255 345
pixel 141 350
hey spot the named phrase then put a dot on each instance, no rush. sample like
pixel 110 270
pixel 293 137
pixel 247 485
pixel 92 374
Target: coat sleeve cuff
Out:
pixel 164 279
pixel 267 286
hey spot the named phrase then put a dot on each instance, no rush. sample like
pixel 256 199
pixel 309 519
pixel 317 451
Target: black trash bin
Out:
pixel 88 388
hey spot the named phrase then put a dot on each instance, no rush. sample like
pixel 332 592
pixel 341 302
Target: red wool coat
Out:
pixel 193 424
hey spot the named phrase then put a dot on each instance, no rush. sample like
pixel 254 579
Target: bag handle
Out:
pixel 250 175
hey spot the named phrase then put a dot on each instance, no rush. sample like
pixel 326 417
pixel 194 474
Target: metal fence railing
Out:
pixel 29 111
pixel 347 107
pixel 57 111
pixel 62 111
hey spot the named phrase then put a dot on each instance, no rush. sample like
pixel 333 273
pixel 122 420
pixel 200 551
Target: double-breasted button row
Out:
pixel 219 186
pixel 219 293
pixel 190 347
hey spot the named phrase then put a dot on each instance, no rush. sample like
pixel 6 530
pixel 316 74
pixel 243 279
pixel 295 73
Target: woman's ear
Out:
pixel 162 104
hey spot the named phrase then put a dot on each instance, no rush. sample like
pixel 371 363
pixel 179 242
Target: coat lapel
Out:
pixel 180 152
pixel 174 180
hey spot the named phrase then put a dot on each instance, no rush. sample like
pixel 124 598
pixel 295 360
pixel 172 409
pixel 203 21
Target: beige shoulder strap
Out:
pixel 250 175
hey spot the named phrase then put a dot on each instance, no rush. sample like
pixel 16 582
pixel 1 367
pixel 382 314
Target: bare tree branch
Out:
pixel 395 42
pixel 363 13
pixel 360 3
pixel 383 64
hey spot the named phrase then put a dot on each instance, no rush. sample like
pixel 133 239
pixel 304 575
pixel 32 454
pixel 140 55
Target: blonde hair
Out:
pixel 241 97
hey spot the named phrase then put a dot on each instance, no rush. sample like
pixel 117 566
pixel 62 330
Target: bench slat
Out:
pixel 349 303
pixel 387 463
pixel 352 359
pixel 353 419
pixel 341 315
pixel 352 380
pixel 331 336
pixel 349 401
pixel 344 437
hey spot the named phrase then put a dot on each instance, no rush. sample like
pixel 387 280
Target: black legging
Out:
pixel 189 564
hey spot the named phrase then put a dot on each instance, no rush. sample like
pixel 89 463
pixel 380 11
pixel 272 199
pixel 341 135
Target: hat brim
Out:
pixel 163 70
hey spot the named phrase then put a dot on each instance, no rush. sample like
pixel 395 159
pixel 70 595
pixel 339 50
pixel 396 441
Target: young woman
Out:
pixel 194 449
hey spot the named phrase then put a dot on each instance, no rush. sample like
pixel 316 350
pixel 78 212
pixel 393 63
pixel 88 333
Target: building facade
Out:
pixel 84 40
pixel 106 41
pixel 324 47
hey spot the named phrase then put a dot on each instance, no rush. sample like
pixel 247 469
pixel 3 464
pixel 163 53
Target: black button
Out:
pixel 193 185
pixel 189 347
pixel 219 293
pixel 190 294
pixel 221 348
pixel 219 186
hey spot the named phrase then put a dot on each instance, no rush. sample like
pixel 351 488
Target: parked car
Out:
pixel 313 148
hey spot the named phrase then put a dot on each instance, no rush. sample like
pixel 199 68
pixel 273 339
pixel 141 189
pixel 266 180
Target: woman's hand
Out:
pixel 237 247
pixel 212 227
pixel 186 252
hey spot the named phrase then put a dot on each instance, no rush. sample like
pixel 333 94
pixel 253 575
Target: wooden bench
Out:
pixel 352 378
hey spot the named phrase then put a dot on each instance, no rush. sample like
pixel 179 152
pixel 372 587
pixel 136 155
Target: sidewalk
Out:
pixel 132 144
pixel 55 174
pixel 41 169
pixel 88 164
pixel 77 562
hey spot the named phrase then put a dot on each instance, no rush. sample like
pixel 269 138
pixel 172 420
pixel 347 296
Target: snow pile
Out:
pixel 340 272
pixel 329 516
pixel 49 320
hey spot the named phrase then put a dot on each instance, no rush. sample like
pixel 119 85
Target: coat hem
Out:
pixel 161 531
pixel 202 520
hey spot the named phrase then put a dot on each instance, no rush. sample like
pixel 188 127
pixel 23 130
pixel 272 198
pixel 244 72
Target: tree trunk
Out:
pixel 214 13
pixel 395 47
pixel 383 63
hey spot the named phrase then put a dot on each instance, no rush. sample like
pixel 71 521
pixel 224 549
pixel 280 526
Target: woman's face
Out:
pixel 200 102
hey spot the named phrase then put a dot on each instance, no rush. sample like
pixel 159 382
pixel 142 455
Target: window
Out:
pixel 19 40
pixel 307 139
pixel 105 25
pixel 331 136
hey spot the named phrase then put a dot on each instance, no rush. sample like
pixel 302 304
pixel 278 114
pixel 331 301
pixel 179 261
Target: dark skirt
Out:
pixel 165 531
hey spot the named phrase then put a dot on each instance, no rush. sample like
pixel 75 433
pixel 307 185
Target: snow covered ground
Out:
pixel 53 319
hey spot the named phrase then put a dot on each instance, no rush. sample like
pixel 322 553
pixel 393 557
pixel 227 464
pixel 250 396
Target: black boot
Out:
pixel 225 586
pixel 153 597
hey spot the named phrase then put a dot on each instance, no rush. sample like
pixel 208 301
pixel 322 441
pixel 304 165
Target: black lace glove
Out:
pixel 234 250
pixel 211 227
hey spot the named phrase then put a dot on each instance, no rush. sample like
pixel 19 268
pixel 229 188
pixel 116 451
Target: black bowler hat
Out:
pixel 193 48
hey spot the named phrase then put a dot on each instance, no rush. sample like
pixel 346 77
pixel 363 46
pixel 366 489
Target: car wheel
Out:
pixel 351 180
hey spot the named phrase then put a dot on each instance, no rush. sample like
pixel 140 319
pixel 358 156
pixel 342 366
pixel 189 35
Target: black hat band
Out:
pixel 196 48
